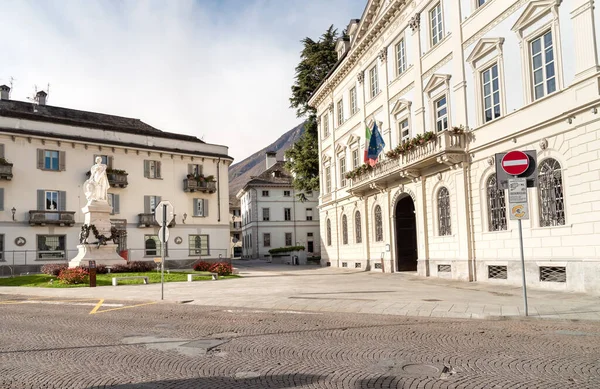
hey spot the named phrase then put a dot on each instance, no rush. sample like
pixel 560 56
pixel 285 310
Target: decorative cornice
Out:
pixel 509 11
pixel 415 22
pixel 437 66
pixel 383 54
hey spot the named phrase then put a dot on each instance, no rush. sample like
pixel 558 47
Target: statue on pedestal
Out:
pixel 96 187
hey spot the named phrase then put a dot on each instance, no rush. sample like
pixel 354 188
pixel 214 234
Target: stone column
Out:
pixel 422 227
pixel 584 33
pixel 418 104
pixel 464 263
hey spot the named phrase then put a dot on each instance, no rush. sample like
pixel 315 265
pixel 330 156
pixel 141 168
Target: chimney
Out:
pixel 4 92
pixel 41 97
pixel 271 158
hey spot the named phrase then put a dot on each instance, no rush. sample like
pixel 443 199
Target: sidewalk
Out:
pixel 317 289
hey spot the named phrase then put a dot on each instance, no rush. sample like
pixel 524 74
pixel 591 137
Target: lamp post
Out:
pixel 13 210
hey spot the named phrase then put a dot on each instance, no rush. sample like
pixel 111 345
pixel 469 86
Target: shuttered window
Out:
pixel 106 160
pixel 1 199
pixel 113 201
pixel 150 203
pixel 51 160
pixel 51 200
pixel 152 169
pixel 201 207
pixel 199 245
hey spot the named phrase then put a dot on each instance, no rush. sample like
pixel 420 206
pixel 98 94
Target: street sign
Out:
pixel 519 211
pixel 530 174
pixel 515 163
pixel 160 234
pixel 517 190
pixel 158 212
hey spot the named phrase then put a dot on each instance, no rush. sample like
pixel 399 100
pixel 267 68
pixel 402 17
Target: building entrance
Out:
pixel 406 235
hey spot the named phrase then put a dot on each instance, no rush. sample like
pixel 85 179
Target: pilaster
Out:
pixel 459 85
pixel 422 228
pixel 418 103
pixel 584 34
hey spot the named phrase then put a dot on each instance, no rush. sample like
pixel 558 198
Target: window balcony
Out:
pixel 55 218
pixel 191 185
pixel 5 170
pixel 423 155
pixel 235 226
pixel 147 220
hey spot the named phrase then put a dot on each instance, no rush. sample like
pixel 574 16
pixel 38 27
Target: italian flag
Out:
pixel 367 142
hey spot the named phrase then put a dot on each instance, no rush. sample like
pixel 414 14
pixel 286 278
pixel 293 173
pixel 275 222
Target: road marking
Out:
pixel 95 310
pixel 97 306
pixel 70 303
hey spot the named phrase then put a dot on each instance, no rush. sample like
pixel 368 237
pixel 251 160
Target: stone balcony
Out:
pixel 147 220
pixel 116 179
pixel 55 218
pixel 447 148
pixel 193 185
pixel 6 171
pixel 235 226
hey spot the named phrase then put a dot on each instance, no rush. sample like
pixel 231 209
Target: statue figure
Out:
pixel 96 187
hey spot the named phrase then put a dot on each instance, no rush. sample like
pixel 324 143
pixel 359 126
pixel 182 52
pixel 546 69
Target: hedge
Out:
pixel 286 249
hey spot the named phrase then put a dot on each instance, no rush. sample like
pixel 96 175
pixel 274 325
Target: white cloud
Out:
pixel 221 70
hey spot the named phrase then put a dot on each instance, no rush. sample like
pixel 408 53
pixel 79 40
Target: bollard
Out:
pixel 92 270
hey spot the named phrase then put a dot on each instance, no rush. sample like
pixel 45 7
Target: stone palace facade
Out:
pixel 451 83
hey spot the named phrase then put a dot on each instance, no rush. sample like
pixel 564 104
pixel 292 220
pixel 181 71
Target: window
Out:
pixel 113 201
pixel 343 171
pixel 265 214
pixel 328 179
pixel 542 63
pixel 357 227
pixel 480 3
pixel 328 232
pixel 194 169
pixel 288 238
pixel 236 237
pixel 325 125
pixel 355 160
pixel 340 112
pixel 400 57
pixel 152 169
pixel 267 240
pixel 437 30
pixel 150 203
pixel 441 114
pixel 491 93
pixel 201 207
pixel 309 214
pixel 51 160
pixel 106 159
pixel 374 81
pixel 51 247
pixel 265 193
pixel 287 214
pixel 550 189
pixel 287 193
pixel 353 102
pixel 344 229
pixel 496 205
pixel 444 227
pixel 378 224
pixel 404 131
pixel 2 259
pixel 198 244
pixel 51 200
pixel 152 245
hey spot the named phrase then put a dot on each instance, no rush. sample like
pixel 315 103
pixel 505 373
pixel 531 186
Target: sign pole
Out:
pixel 523 268
pixel 164 249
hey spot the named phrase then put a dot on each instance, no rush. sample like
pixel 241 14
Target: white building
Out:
pixel 47 151
pixel 273 216
pixel 516 75
pixel 235 227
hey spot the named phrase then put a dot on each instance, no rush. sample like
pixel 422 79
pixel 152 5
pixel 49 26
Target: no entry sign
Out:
pixel 515 163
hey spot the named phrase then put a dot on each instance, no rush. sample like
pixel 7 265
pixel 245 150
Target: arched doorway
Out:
pixel 406 235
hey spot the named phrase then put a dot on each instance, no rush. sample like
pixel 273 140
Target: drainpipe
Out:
pixel 218 191
pixel 294 215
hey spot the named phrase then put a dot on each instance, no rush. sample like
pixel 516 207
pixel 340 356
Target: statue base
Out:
pixel 103 255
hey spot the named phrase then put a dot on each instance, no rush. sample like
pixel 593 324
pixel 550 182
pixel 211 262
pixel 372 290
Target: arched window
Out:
pixel 151 246
pixel 444 212
pixel 552 205
pixel 496 205
pixel 378 225
pixel 344 229
pixel 357 227
pixel 328 232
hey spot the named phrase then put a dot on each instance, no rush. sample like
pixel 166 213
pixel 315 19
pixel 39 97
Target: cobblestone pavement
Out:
pixel 48 343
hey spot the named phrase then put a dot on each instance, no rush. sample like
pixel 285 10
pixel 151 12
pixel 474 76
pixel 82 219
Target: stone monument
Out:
pixel 97 232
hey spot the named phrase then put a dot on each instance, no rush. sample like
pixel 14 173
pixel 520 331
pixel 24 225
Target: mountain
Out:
pixel 241 172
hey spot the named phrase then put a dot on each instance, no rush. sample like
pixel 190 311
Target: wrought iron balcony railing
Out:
pixel 6 171
pixel 193 185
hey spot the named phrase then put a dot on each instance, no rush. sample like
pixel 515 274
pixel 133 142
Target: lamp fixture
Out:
pixel 184 217
pixel 13 210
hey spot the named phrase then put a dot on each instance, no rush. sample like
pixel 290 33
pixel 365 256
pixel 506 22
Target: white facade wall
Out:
pixel 563 125
pixel 20 193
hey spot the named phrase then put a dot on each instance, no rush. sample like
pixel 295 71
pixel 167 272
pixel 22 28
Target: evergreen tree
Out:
pixel 317 60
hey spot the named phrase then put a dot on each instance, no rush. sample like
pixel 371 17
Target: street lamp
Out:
pixel 13 210
pixel 184 217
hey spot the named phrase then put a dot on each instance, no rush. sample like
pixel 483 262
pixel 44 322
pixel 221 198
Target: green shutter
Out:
pixel 205 208
pixel 109 162
pixel 146 168
pixel 158 166
pixel 62 160
pixel 116 206
pixel 1 199
pixel 62 200
pixel 147 204
pixel 40 158
pixel 196 207
pixel 41 199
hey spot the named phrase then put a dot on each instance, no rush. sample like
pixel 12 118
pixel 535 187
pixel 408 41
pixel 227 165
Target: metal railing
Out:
pixel 192 185
pixel 117 179
pixel 147 220
pixel 61 218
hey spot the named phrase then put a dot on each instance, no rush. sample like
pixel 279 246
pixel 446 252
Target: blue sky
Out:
pixel 220 70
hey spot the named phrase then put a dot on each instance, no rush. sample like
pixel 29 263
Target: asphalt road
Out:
pixel 54 343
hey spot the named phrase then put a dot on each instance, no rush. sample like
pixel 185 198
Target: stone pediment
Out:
pixel 339 149
pixel 401 105
pixel 485 46
pixel 435 81
pixel 534 11
pixel 373 12
pixel 353 139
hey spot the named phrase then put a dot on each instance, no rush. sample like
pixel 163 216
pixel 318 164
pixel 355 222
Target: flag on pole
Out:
pixel 376 145
pixel 367 140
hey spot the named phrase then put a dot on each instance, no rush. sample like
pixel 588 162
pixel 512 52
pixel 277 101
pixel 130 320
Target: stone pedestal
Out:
pixel 97 213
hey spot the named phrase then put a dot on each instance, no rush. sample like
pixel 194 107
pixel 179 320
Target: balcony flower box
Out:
pixel 116 178
pixel 147 220
pixel 199 183
pixel 5 169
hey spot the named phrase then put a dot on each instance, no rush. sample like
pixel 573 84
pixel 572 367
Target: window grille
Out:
pixel 378 225
pixel 553 274
pixel 496 205
pixel 497 272
pixel 444 268
pixel 444 212
pixel 550 189
pixel 344 264
pixel 328 232
pixel 198 244
pixel 357 265
pixel 357 227
pixel 377 265
pixel 344 229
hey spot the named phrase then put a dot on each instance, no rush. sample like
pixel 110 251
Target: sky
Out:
pixel 219 70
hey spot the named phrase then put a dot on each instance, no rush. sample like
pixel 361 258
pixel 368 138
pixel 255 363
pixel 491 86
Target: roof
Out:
pixel 267 178
pixel 74 117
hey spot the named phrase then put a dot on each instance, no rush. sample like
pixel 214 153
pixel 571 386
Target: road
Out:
pixel 64 343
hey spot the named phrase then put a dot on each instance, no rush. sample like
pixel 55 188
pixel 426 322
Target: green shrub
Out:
pixel 286 249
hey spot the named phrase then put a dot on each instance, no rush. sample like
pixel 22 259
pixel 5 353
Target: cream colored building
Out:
pixel 274 217
pixel 473 78
pixel 235 227
pixel 47 151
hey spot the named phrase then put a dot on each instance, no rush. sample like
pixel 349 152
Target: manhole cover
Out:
pixel 421 369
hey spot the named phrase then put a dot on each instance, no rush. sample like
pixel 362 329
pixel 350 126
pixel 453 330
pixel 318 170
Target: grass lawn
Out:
pixel 43 280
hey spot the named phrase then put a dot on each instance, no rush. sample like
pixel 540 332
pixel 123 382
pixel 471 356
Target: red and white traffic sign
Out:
pixel 515 163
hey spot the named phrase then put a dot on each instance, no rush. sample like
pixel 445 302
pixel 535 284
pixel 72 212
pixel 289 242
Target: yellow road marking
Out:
pixel 95 310
pixel 97 306
pixel 40 300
